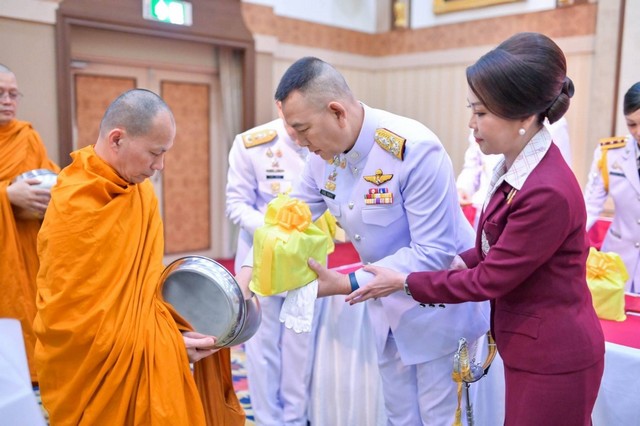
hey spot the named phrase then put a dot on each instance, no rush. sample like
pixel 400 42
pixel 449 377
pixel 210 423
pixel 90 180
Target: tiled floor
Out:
pixel 238 362
pixel 36 391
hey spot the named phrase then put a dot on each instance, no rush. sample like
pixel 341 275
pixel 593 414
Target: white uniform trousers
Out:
pixel 431 382
pixel 279 363
pixel 346 389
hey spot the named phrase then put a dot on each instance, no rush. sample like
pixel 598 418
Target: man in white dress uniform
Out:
pixel 389 183
pixel 263 162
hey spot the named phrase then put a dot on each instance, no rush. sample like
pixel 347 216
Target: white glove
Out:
pixel 297 309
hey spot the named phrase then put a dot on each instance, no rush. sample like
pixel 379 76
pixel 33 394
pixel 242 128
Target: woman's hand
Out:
pixel 198 345
pixel 385 282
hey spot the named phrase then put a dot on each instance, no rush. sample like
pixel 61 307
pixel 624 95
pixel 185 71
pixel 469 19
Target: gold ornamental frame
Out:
pixel 446 6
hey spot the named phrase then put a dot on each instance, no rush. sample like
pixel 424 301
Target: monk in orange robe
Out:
pixel 110 351
pixel 21 150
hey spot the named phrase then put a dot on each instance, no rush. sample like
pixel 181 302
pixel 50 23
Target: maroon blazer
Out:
pixel 534 274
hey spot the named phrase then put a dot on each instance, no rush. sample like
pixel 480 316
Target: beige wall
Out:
pixel 97 46
pixel 417 73
pixel 28 48
pixel 421 73
pixel 630 60
pixel 431 88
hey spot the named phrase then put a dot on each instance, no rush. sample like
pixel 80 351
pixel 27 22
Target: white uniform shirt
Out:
pixel 623 236
pixel 257 175
pixel 421 229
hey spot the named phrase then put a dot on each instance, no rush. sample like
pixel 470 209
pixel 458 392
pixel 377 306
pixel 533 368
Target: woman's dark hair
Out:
pixel 632 99
pixel 525 75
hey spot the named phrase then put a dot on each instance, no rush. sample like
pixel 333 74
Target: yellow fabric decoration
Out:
pixel 282 246
pixel 604 171
pixel 328 224
pixel 606 276
pixel 457 421
pixel 461 369
pixel 605 145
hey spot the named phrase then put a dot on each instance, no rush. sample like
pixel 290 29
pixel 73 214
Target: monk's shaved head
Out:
pixel 136 131
pixel 5 69
pixel 133 111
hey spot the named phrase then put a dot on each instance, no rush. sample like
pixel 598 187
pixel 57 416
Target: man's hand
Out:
pixel 243 278
pixel 385 282
pixel 29 198
pixel 198 345
pixel 329 282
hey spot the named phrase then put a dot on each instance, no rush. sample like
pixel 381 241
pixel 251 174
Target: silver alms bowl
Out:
pixel 207 295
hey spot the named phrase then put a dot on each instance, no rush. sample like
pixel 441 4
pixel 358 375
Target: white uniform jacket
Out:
pixel 256 175
pixel 420 226
pixel 623 236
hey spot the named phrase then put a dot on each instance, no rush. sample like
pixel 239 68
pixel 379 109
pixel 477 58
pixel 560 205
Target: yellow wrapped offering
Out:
pixel 328 224
pixel 282 246
pixel 606 276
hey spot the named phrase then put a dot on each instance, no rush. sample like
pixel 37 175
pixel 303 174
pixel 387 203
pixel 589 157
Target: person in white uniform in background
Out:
pixel 264 162
pixel 473 180
pixel 390 184
pixel 614 172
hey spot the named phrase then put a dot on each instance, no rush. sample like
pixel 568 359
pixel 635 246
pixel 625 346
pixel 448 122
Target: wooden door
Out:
pixel 191 186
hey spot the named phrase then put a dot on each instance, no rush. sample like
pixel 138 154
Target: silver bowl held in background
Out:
pixel 47 179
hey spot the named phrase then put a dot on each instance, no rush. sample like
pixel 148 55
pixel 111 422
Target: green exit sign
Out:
pixel 176 12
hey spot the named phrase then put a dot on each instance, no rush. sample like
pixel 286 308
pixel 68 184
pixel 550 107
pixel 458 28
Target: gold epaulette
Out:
pixel 605 145
pixel 614 142
pixel 391 142
pixel 258 137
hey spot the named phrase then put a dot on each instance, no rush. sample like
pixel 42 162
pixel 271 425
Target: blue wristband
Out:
pixel 353 281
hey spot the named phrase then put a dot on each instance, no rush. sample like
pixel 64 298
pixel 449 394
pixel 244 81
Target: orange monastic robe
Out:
pixel 109 351
pixel 21 150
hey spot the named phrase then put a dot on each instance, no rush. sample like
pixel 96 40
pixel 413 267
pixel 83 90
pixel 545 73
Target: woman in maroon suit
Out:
pixel 531 248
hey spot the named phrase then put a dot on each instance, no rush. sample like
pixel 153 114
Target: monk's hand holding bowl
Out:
pixel 29 199
pixel 198 345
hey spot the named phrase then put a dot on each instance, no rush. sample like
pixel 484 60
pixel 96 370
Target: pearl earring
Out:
pixel 521 132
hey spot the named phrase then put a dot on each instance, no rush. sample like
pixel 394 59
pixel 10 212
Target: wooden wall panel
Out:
pixel 93 94
pixel 186 176
pixel 580 66
pixel 436 95
pixel 557 23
